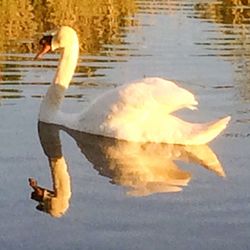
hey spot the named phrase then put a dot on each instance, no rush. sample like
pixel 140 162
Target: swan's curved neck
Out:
pixel 67 65
pixel 51 103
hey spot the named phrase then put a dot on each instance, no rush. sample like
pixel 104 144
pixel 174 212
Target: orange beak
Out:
pixel 45 49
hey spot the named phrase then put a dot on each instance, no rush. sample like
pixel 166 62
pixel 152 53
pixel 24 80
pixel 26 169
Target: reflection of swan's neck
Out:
pixel 55 94
pixel 59 202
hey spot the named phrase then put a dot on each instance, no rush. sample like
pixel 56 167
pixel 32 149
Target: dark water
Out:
pixel 122 194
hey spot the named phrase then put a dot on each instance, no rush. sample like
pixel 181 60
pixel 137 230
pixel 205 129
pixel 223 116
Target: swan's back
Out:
pixel 135 101
pixel 141 112
pixel 151 92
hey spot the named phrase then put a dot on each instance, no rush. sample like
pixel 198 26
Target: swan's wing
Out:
pixel 157 92
pixel 141 112
pixel 137 109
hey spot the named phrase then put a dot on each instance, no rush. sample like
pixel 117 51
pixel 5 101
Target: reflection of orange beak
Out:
pixel 45 49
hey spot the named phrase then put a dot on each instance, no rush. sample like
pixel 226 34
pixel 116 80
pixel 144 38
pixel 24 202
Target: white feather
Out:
pixel 140 111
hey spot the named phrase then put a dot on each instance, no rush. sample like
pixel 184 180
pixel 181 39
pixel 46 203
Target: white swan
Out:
pixel 140 111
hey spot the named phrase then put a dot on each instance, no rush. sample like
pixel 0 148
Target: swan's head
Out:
pixel 61 38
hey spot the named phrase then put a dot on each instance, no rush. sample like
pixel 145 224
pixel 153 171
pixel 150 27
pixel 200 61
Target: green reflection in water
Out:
pixel 226 11
pixel 97 22
pixel 102 27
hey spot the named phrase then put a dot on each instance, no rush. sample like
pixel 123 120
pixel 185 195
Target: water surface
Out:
pixel 127 196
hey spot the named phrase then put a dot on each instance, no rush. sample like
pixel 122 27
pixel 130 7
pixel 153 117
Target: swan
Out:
pixel 140 111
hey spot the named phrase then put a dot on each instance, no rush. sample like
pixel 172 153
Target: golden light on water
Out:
pixel 153 168
pixel 97 22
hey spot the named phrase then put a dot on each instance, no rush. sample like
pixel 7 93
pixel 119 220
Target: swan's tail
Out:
pixel 207 132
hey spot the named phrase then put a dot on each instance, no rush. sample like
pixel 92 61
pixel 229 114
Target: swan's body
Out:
pixel 140 111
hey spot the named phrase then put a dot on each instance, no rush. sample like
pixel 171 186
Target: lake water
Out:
pixel 124 196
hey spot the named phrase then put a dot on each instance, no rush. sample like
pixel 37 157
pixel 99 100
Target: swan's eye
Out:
pixel 45 43
pixel 46 40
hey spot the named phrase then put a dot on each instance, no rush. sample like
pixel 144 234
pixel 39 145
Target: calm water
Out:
pixel 122 194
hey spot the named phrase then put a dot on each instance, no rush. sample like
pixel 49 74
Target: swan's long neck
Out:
pixel 67 65
pixel 52 101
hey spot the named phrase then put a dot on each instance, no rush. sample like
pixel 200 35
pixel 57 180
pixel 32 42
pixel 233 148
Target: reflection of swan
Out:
pixel 143 168
pixel 54 202
pixel 139 111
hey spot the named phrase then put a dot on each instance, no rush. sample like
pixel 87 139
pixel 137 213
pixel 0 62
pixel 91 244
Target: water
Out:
pixel 121 195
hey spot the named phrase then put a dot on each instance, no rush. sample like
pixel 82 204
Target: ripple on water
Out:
pixel 189 39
